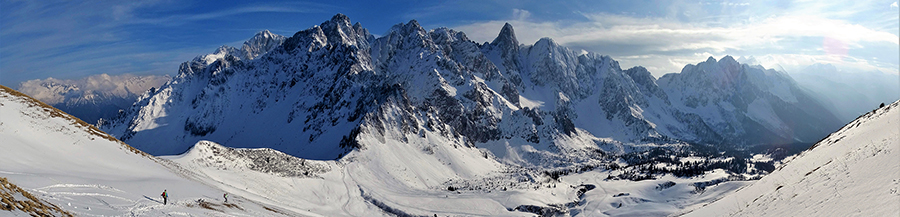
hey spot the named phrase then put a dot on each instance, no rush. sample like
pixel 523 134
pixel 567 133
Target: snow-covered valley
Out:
pixel 86 172
pixel 334 121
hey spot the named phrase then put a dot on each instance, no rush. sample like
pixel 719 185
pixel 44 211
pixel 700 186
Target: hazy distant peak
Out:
pixel 728 59
pixel 52 91
pixel 749 60
pixel 821 68
pixel 92 97
pixel 264 34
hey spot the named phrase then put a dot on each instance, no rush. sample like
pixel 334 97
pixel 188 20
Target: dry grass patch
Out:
pixel 33 206
pixel 214 206
pixel 275 210
pixel 233 206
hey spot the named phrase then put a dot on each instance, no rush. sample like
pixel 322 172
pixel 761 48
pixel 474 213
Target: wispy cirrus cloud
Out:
pixel 72 39
pixel 232 12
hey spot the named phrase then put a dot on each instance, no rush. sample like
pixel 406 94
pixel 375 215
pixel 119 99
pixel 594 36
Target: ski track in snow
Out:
pixel 396 169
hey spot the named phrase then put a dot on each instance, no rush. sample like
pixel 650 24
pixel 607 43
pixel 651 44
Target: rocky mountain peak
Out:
pixel 362 31
pixel 445 36
pixel 262 42
pixel 224 49
pixel 410 35
pixel 339 29
pixel 547 43
pixel 340 18
pixel 413 27
pixel 263 34
pixel 306 39
pixel 640 75
pixel 728 61
pixel 507 38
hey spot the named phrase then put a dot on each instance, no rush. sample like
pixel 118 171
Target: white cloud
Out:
pixel 894 5
pixel 519 14
pixel 623 29
pixel 735 4
pixel 665 45
pixel 183 18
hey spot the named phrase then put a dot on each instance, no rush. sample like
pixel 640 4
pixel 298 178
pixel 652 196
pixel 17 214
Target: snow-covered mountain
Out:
pixel 260 43
pixel 854 171
pixel 93 97
pixel 318 92
pixel 749 103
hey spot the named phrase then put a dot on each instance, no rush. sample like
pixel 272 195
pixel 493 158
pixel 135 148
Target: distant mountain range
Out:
pixel 93 97
pixel 848 94
pixel 316 94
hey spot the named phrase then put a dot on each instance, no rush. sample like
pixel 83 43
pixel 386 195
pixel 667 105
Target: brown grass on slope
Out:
pixel 33 206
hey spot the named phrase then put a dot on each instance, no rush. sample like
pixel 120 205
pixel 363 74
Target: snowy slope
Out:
pixel 71 164
pixel 854 171
pixel 375 184
pixel 340 188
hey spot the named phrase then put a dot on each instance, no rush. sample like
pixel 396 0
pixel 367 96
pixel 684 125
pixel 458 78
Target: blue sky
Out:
pixel 74 39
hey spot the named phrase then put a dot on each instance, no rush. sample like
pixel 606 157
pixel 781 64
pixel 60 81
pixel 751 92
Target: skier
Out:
pixel 226 197
pixel 165 197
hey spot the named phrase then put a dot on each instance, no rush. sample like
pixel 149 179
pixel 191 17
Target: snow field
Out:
pixel 854 171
